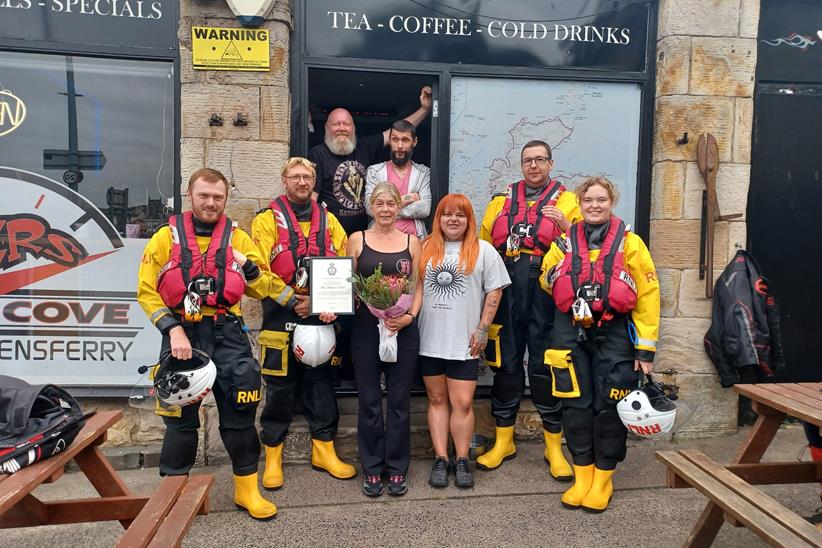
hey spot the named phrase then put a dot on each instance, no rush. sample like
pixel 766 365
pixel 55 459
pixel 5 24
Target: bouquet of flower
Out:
pixel 386 296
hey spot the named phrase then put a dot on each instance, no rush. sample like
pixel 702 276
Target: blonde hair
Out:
pixel 388 187
pixel 299 161
pixel 597 180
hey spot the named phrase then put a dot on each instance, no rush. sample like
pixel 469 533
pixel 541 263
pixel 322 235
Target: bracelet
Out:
pixel 479 328
pixel 413 317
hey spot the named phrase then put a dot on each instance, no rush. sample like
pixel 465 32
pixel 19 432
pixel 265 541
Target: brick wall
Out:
pixel 706 58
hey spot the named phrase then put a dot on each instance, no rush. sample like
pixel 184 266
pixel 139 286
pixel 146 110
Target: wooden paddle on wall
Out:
pixel 707 158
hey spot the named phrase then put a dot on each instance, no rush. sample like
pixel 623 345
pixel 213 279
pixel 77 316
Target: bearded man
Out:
pixel 342 160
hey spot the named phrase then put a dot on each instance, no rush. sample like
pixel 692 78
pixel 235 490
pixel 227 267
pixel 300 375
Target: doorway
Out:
pixel 783 220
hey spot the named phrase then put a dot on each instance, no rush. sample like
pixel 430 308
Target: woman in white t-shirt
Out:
pixel 461 278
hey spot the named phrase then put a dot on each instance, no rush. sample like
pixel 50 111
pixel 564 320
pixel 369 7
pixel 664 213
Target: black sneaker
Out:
pixel 463 477
pixel 397 486
pixel 372 486
pixel 439 473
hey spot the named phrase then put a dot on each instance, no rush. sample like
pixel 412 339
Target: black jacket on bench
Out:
pixel 36 422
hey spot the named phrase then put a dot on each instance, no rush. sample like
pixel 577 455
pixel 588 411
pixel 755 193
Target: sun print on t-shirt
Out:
pixel 445 281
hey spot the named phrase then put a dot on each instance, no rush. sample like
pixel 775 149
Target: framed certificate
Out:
pixel 329 285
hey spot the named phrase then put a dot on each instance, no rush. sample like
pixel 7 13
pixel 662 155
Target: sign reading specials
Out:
pixel 592 34
pixel 230 49
pixel 68 309
pixel 123 24
pixel 12 112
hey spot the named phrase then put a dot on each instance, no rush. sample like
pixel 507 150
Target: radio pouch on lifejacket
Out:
pixel 287 258
pixel 36 422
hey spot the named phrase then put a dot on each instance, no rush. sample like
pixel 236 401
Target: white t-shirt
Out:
pixel 452 301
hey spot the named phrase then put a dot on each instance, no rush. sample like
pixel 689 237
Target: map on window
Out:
pixel 592 128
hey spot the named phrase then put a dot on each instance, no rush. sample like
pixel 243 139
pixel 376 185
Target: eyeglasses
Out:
pixel 600 201
pixel 295 178
pixel 539 160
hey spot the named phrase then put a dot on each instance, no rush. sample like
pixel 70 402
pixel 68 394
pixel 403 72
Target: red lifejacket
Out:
pixel 516 218
pixel 290 237
pixel 220 279
pixel 605 284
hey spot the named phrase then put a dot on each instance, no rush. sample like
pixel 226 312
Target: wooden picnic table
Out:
pixel 729 487
pixel 161 519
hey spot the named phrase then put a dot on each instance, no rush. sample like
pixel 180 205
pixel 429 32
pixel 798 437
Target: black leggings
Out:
pixel 385 446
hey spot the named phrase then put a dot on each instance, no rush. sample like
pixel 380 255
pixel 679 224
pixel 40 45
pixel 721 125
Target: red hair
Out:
pixel 433 248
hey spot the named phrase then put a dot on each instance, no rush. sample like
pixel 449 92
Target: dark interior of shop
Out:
pixel 375 100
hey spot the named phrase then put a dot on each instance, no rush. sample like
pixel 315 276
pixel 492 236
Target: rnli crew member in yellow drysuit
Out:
pixel 293 228
pixel 521 225
pixel 206 234
pixel 606 292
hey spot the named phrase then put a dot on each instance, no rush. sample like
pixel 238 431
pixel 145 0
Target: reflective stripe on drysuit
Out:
pixel 283 374
pixel 525 316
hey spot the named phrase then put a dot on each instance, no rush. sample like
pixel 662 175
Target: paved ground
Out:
pixel 516 505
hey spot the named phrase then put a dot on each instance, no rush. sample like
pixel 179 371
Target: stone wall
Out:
pixel 706 58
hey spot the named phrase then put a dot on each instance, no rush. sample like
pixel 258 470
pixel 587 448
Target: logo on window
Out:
pixel 12 112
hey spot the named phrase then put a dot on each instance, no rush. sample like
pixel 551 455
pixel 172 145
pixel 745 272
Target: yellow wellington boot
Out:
pixel 599 496
pixel 503 449
pixel 583 478
pixel 560 469
pixel 273 473
pixel 247 497
pixel 324 457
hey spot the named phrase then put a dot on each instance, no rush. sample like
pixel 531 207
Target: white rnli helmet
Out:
pixel 648 411
pixel 183 382
pixel 313 345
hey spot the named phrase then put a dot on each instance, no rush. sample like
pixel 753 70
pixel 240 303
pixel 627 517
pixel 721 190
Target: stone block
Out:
pixel 737 237
pixel 243 210
pixel 275 114
pixel 200 101
pixel 121 433
pixel 692 300
pixel 678 114
pixel 714 409
pixel 723 66
pixel 252 313
pixel 252 166
pixel 668 187
pixel 150 427
pixel 675 244
pixel 192 158
pixel 698 17
pixel 680 347
pixel 669 280
pixel 187 73
pixel 673 60
pixel 743 130
pixel 123 458
pixel 749 18
pixel 732 182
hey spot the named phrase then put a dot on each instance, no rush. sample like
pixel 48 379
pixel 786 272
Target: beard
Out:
pixel 341 145
pixel 400 161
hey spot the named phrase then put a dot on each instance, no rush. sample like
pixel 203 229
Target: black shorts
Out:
pixel 461 370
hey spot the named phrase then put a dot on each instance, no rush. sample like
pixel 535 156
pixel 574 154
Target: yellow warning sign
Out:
pixel 230 49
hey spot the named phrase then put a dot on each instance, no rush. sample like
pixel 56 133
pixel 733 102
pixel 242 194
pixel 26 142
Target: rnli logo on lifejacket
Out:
pixel 625 277
pixel 250 13
pixel 12 112
pixel 248 396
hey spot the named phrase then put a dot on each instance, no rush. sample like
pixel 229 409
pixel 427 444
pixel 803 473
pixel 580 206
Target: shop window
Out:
pixel 102 127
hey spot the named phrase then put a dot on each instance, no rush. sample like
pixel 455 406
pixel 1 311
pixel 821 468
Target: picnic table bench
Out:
pixel 730 488
pixel 162 519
